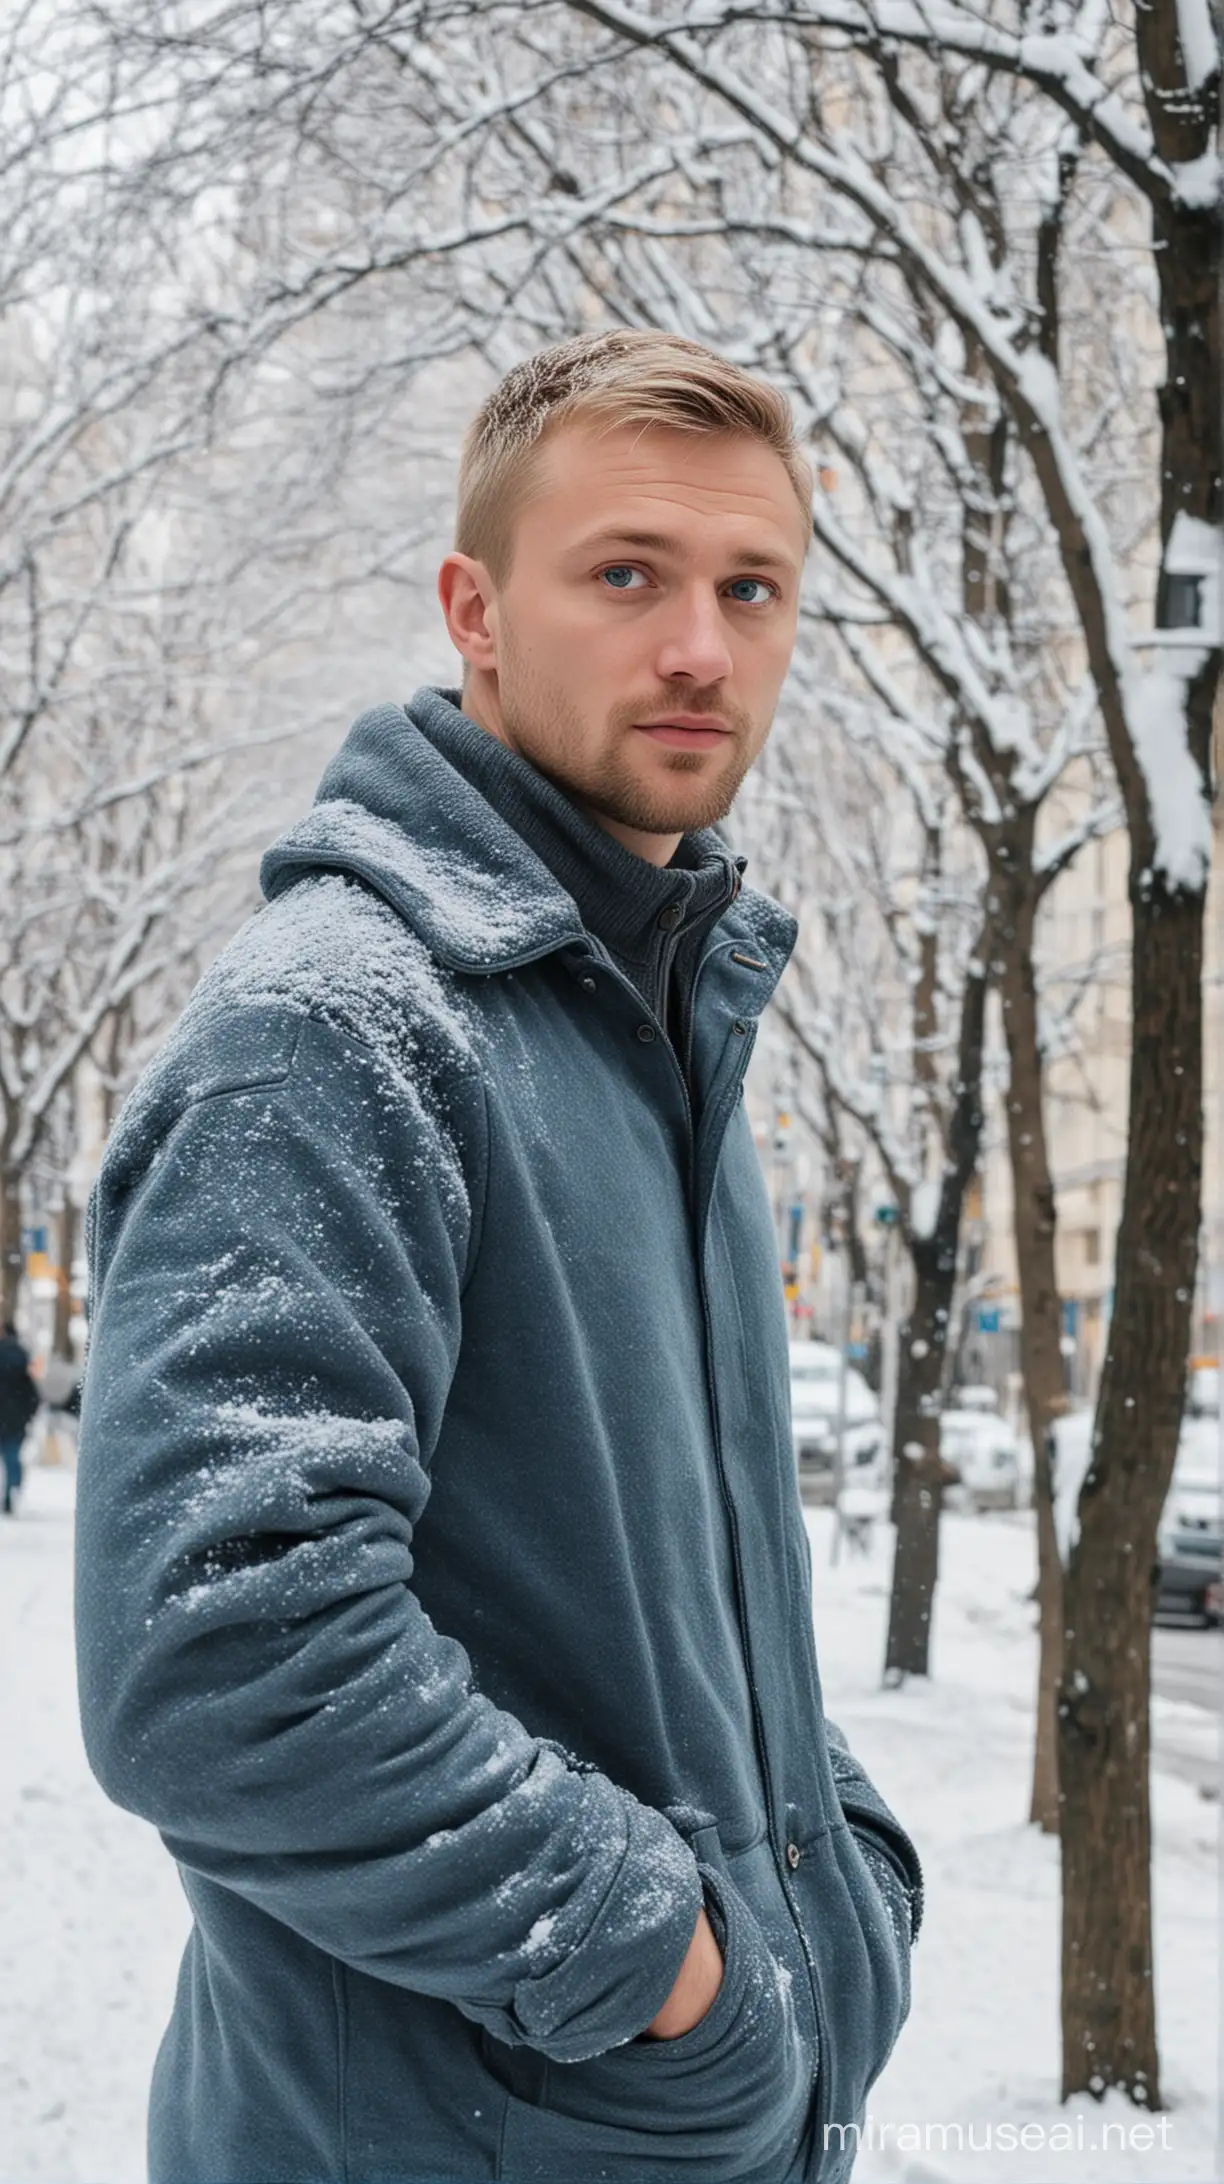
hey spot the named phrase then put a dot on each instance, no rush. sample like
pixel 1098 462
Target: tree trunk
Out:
pixel 12 1260
pixel 1108 2012
pixel 1045 1802
pixel 919 1472
pixel 1013 899
pixel 1034 1228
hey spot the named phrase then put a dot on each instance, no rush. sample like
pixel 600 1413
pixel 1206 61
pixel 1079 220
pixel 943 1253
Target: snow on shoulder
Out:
pixel 477 904
pixel 333 949
pixel 329 949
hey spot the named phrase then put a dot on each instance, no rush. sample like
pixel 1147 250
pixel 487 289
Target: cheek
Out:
pixel 560 677
pixel 602 652
pixel 567 627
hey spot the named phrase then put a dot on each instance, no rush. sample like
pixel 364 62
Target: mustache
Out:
pixel 644 711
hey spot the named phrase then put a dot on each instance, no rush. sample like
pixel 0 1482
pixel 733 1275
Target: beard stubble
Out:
pixel 544 729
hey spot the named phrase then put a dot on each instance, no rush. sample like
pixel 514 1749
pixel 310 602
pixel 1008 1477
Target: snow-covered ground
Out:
pixel 981 2048
pixel 92 1919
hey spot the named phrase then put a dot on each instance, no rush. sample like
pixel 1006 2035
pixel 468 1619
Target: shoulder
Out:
pixel 330 948
pixel 329 963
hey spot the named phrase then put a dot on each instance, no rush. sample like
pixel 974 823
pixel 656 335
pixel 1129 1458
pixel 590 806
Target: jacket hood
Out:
pixel 393 812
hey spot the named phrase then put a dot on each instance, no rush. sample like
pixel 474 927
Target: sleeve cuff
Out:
pixel 616 1980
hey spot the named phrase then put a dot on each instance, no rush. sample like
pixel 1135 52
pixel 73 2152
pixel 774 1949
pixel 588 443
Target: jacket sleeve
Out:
pixel 278 1266
pixel 890 1854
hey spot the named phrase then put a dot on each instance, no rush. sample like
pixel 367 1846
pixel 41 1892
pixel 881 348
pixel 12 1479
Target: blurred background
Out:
pixel 258 265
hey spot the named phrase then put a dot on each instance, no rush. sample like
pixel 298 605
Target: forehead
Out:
pixel 715 489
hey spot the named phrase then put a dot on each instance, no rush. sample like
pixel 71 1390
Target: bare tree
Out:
pixel 522 170
pixel 182 515
pixel 886 999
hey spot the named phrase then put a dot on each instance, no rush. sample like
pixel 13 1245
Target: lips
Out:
pixel 685 731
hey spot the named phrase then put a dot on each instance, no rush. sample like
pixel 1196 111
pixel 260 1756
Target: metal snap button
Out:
pixel 793 1855
pixel 588 985
pixel 671 917
pixel 740 1028
pixel 645 1033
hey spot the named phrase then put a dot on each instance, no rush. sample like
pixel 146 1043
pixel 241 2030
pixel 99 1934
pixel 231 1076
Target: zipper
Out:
pixel 667 959
pixel 606 963
pixel 713 1128
pixel 818 2000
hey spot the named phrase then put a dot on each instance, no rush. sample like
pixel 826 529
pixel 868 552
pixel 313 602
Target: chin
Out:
pixel 682 806
pixel 664 815
pixel 679 796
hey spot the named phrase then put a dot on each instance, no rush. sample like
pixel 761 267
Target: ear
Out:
pixel 468 599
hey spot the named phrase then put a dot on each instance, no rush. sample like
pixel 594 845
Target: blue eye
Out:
pixel 744 588
pixel 620 576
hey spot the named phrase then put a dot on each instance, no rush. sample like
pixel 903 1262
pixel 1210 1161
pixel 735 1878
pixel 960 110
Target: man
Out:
pixel 19 1399
pixel 443 1591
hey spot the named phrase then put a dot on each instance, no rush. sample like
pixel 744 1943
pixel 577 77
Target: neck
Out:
pixel 481 704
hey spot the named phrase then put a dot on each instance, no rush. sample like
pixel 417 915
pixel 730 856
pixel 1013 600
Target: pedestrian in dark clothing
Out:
pixel 443 1589
pixel 19 1400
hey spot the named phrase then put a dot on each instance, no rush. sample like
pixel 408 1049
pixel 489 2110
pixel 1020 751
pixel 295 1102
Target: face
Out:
pixel 635 651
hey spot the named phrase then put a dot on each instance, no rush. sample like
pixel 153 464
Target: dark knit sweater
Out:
pixel 652 919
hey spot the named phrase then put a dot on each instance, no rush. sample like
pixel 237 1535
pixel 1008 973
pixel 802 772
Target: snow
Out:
pixel 92 1917
pixel 1073 1453
pixel 1198 182
pixel 538 1937
pixel 1181 814
pixel 924 1209
pixel 474 907
pixel 332 950
pixel 1196 548
pixel 331 942
pixel 981 2048
pixel 93 1920
pixel 1199 42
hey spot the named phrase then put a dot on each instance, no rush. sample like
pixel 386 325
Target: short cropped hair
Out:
pixel 628 377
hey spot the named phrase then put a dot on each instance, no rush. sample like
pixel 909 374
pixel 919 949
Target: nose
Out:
pixel 694 644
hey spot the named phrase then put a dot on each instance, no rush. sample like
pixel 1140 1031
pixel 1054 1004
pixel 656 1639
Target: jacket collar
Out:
pixel 396 814
pixel 393 812
pixel 619 896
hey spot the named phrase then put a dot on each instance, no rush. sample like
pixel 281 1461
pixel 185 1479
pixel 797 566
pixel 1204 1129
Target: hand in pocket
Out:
pixel 697 1984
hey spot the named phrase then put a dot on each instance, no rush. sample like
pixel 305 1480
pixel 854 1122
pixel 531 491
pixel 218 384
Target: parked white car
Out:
pixel 1190 1539
pixel 1189 1568
pixel 815 1369
pixel 984 1449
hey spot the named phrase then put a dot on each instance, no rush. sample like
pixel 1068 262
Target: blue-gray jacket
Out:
pixel 443 1592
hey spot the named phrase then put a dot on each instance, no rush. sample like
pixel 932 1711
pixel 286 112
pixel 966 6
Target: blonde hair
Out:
pixel 622 378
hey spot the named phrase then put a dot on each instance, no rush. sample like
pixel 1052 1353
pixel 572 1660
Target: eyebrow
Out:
pixel 661 542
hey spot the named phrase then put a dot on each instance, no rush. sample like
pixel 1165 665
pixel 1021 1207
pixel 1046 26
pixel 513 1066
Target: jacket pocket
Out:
pixel 863 1960
pixel 726 2101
